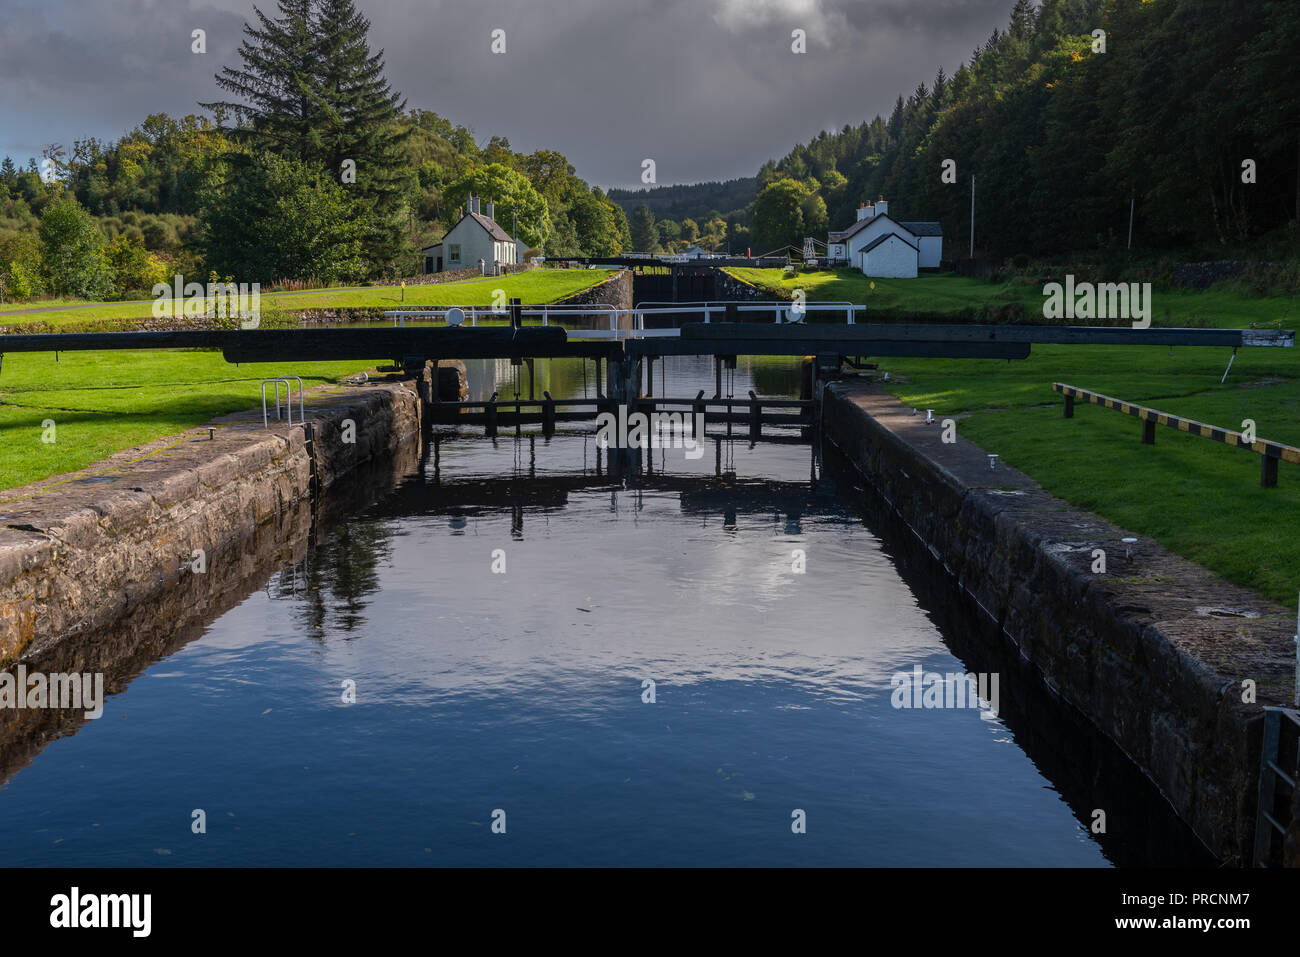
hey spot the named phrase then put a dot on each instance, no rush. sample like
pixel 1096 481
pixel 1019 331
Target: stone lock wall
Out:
pixel 1138 652
pixel 80 553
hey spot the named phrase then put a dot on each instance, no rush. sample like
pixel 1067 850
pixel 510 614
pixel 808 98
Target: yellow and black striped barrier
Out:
pixel 1270 452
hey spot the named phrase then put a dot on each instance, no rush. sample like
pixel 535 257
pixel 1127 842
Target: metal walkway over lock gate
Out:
pixel 603 332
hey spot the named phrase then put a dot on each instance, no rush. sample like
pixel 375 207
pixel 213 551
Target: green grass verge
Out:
pixel 103 402
pixel 948 293
pixel 534 286
pixel 1199 498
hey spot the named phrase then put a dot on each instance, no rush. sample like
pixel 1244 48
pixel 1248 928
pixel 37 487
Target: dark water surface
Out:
pixel 523 692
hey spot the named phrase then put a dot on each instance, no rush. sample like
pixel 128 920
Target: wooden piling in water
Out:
pixel 548 415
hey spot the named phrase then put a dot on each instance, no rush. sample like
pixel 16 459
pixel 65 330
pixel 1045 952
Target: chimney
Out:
pixel 882 207
pixel 491 210
pixel 865 212
pixel 469 203
pixel 478 202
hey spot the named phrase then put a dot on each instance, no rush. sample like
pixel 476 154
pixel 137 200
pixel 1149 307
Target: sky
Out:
pixel 708 89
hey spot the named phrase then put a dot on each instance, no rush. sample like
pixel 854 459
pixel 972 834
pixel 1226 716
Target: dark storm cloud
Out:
pixel 709 89
pixel 72 70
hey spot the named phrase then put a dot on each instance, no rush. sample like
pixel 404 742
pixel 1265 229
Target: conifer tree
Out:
pixel 278 105
pixel 359 119
pixel 310 89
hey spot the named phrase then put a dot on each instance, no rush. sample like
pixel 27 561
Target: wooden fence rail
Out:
pixel 1270 452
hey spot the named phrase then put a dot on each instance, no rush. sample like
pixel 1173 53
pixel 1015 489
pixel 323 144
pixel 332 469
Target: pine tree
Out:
pixel 940 87
pixel 310 89
pixel 645 238
pixel 279 106
pixel 360 116
pixel 1023 16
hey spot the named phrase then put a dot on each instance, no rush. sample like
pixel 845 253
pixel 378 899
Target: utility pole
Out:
pixel 972 217
pixel 1132 199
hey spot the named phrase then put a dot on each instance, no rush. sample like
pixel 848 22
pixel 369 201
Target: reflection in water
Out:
pixel 156 629
pixel 674 377
pixel 343 572
pixel 499 614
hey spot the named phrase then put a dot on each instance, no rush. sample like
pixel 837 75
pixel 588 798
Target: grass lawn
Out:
pixel 534 286
pixel 1199 498
pixel 103 402
pixel 945 293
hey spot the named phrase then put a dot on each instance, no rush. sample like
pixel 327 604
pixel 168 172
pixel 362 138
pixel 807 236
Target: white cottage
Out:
pixel 475 236
pixel 874 223
pixel 929 237
pixel 888 256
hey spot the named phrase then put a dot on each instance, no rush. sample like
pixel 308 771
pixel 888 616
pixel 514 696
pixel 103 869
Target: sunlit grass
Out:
pixel 946 292
pixel 534 286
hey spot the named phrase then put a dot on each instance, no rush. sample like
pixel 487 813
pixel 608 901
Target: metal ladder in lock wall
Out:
pixel 288 398
pixel 1281 744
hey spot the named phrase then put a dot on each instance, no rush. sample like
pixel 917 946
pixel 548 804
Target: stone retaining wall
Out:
pixel 615 291
pixel 1153 653
pixel 733 289
pixel 79 553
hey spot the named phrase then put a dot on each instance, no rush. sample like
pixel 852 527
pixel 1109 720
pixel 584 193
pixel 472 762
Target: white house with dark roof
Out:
pixel 930 245
pixel 474 237
pixel 873 224
pixel 888 256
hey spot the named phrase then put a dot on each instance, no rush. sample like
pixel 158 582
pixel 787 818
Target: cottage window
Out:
pixel 453 253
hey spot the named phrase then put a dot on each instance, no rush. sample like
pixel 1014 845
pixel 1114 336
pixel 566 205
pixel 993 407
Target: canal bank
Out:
pixel 1153 652
pixel 275 557
pixel 81 553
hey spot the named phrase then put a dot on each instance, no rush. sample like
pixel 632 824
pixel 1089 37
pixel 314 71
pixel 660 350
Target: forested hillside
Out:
pixel 1061 130
pixel 698 201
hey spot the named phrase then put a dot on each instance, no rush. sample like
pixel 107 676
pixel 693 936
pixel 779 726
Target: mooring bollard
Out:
pixel 993 461
pixel 929 416
pixel 1128 547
